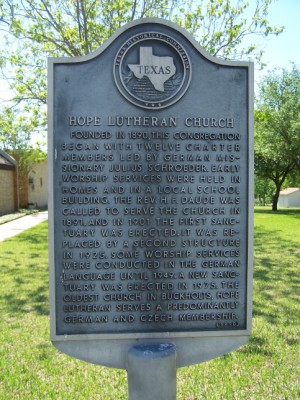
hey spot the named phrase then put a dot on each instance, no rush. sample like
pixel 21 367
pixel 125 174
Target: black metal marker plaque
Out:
pixel 150 234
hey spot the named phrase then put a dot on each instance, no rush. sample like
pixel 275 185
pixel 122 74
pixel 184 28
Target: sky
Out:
pixel 282 49
pixel 279 50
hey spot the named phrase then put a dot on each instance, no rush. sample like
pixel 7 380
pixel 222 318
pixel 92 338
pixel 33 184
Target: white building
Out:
pixel 289 197
pixel 38 185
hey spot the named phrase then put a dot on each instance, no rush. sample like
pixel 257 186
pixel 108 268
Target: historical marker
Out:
pixel 150 154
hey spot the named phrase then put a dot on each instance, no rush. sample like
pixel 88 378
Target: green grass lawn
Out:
pixel 266 368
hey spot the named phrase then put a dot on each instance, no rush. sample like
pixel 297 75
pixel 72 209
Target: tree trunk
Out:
pixel 275 198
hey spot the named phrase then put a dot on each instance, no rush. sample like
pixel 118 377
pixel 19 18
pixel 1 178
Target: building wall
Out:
pixel 38 185
pixel 20 190
pixel 7 193
pixel 23 190
pixel 8 181
pixel 290 200
pixel 283 201
pixel 294 199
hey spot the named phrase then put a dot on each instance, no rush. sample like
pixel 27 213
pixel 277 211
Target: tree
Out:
pixel 15 138
pixel 36 29
pixel 263 189
pixel 293 180
pixel 277 132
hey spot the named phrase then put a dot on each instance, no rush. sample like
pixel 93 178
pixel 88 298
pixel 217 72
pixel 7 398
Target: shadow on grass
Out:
pixel 35 240
pixel 256 345
pixel 292 212
pixel 36 301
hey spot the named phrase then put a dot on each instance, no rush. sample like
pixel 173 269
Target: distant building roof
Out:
pixel 6 161
pixel 288 191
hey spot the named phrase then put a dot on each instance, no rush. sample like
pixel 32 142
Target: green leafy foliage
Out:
pixel 263 190
pixel 15 137
pixel 277 132
pixel 36 29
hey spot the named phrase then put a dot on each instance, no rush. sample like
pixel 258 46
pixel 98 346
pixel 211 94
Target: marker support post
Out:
pixel 151 370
